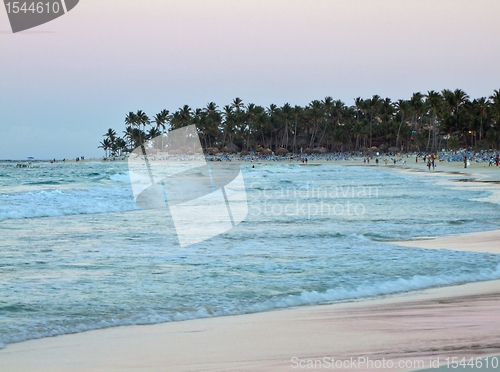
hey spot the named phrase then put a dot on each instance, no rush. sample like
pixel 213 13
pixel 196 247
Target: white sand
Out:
pixel 479 242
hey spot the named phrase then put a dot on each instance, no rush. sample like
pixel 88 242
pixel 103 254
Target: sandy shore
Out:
pixel 488 241
pixel 459 321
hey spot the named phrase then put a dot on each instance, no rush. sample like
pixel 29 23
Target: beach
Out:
pixel 411 328
pixel 460 321
pixel 249 186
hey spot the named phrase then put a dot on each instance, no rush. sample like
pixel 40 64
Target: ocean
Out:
pixel 76 253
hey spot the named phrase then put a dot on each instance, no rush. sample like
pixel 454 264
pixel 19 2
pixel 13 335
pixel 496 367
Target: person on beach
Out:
pixel 306 159
pixel 491 161
pixel 498 160
pixel 465 161
pixel 394 161
pixel 416 159
pixel 429 164
pixel 386 161
pixel 376 161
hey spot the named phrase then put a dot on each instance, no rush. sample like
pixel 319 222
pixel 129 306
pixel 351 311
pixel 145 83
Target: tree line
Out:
pixel 425 122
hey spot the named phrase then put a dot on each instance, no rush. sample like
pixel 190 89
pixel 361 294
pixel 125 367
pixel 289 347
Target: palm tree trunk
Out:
pixel 399 131
pixel 295 137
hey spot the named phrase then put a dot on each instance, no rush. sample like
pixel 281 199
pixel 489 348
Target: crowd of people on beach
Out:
pixel 429 160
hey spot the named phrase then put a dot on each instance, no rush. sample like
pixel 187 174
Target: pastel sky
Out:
pixel 63 84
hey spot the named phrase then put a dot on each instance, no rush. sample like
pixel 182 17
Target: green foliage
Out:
pixel 425 122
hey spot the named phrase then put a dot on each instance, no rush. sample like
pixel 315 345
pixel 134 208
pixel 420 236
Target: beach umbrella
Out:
pixel 281 151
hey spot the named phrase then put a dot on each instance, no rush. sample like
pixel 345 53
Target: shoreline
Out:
pixel 413 326
pixel 447 321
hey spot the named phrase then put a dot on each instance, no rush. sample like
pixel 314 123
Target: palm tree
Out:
pixel 297 112
pixel 127 133
pixel 434 102
pixel 137 119
pixel 212 123
pixel 237 104
pixel 131 119
pixel 250 114
pixel 186 115
pixel 153 133
pixel 418 108
pixel 105 145
pixel 482 105
pixel 142 119
pixel 373 107
pixel 228 124
pixel 160 120
pixel 111 134
pixel 121 145
pixel 403 107
pixel 315 113
pixel 286 112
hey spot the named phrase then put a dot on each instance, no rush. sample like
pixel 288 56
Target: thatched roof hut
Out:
pixel 282 151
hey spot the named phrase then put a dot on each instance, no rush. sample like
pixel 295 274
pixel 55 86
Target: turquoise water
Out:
pixel 76 253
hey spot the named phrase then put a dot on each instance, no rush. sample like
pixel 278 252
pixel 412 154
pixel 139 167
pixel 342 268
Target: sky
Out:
pixel 64 83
